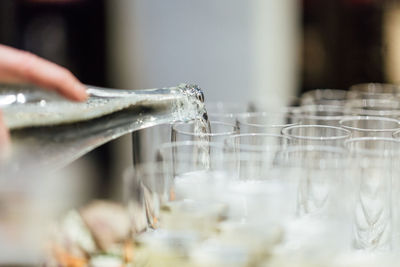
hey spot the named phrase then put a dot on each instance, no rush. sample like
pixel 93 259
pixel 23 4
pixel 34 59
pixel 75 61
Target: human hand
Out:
pixel 17 66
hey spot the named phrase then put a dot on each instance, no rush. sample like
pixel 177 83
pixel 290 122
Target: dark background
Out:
pixel 342 43
pixel 342 39
pixel 69 33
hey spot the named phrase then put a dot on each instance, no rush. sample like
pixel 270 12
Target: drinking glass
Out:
pixel 320 168
pixel 192 131
pixel 169 223
pixel 368 126
pixel 335 97
pixel 321 195
pixel 266 122
pixel 322 114
pixel 197 173
pixel 316 135
pixel 145 189
pixel 375 174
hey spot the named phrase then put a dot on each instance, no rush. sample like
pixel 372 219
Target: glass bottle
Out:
pixel 50 131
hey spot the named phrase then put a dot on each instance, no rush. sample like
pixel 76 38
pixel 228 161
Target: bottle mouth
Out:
pixel 193 90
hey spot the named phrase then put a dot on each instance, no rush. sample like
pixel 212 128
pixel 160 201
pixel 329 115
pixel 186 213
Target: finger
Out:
pixel 49 75
pixel 23 66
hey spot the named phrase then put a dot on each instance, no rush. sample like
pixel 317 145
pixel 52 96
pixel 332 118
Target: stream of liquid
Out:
pixel 202 130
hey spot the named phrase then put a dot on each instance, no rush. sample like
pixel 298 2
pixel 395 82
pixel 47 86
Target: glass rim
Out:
pixel 286 129
pixel 278 110
pixel 371 118
pixel 189 143
pixel 243 116
pixel 254 148
pixel 319 107
pixel 255 134
pixel 355 95
pixel 324 148
pixel 362 105
pixel 376 113
pixel 373 138
pixel 368 88
pixel 321 95
pixel 167 147
pixel 394 99
pixel 325 91
pixel 235 129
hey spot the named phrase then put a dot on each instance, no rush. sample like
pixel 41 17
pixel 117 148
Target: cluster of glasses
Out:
pixel 310 185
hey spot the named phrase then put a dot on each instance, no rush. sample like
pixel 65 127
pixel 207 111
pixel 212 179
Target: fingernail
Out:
pixel 80 92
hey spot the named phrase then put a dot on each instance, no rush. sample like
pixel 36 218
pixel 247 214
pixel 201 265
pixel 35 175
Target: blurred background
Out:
pixel 238 51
